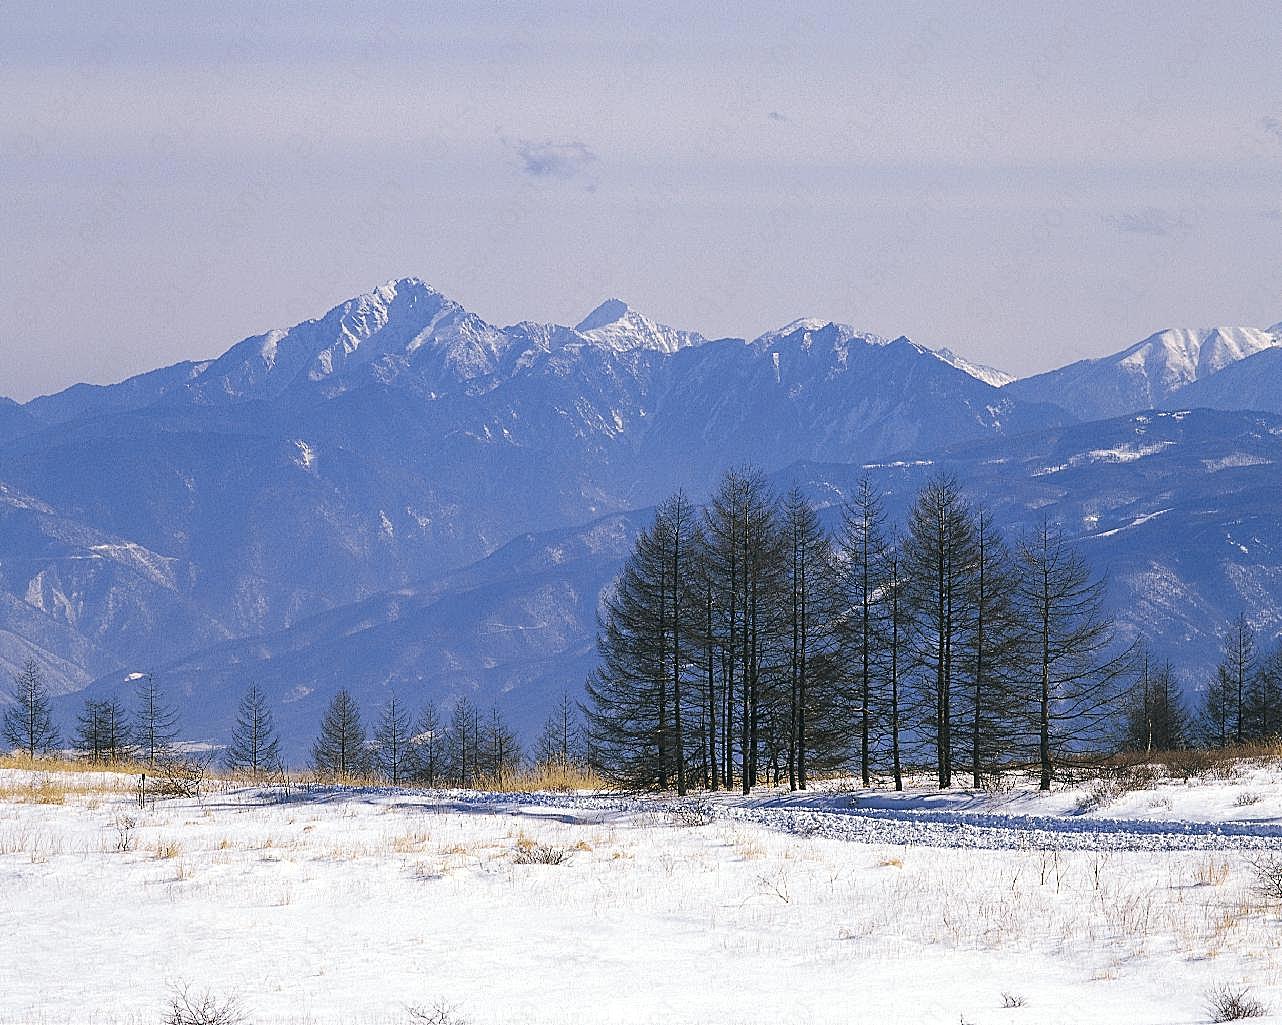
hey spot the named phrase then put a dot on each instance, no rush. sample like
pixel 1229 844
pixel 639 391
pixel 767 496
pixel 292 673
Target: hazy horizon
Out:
pixel 1025 186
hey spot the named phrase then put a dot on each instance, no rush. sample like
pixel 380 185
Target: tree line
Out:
pixel 466 748
pixel 106 730
pixel 1240 704
pixel 744 643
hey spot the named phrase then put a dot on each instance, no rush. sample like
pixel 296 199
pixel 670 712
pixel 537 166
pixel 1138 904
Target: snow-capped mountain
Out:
pixel 617 326
pixel 399 436
pixel 369 470
pixel 1147 374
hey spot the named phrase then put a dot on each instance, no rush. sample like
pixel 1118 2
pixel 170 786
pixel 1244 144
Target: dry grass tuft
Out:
pixel 43 791
pixel 529 852
pixel 61 763
pixel 409 843
pixel 166 849
pixel 559 777
pixel 1212 872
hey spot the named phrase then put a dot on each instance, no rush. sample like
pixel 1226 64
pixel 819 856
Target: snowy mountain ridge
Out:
pixel 1145 375
pixel 393 445
pixel 406 328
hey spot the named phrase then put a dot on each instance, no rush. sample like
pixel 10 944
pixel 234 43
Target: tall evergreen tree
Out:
pixel 1156 719
pixel 1264 703
pixel 155 722
pixel 102 731
pixel 939 567
pixel 1079 675
pixel 502 752
pixel 816 734
pixel 991 652
pixel 28 722
pixel 863 539
pixel 745 556
pixel 897 633
pixel 255 744
pixel 462 744
pixel 1216 717
pixel 1239 664
pixel 627 694
pixel 430 763
pixel 340 749
pixel 559 742
pixel 676 530
pixel 394 743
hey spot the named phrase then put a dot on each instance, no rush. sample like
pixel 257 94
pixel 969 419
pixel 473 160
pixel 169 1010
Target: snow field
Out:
pixel 350 906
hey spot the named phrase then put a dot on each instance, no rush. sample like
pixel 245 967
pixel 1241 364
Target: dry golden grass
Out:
pixel 409 843
pixel 43 791
pixel 1212 872
pixel 166 849
pixel 76 765
pixel 1212 763
pixel 557 776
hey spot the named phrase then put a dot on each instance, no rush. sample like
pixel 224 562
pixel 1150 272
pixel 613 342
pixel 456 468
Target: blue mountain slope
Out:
pixel 14 420
pixel 1252 383
pixel 514 629
pixel 1182 511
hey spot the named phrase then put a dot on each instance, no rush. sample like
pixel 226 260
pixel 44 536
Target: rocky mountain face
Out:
pixel 337 503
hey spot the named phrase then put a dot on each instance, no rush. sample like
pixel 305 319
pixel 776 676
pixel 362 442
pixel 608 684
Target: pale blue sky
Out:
pixel 1027 184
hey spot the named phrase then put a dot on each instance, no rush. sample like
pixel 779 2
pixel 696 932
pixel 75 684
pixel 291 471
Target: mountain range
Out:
pixel 399 494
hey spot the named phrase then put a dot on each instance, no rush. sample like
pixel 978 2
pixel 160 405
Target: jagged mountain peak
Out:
pixel 807 329
pixel 607 313
pixel 617 326
pixel 839 335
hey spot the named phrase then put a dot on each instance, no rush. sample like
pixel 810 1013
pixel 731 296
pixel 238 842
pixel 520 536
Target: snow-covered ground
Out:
pixel 354 906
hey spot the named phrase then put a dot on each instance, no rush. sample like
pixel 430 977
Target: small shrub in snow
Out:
pixel 1097 795
pixel 1268 877
pixel 1114 781
pixel 173 778
pixel 530 853
pixel 1227 1003
pixel 1191 764
pixel 125 839
pixel 1013 1000
pixel 188 1008
pixel 690 813
pixel 438 1014
pixel 1246 799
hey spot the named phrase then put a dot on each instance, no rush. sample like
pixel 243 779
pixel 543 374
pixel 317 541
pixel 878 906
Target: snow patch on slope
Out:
pixel 989 375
